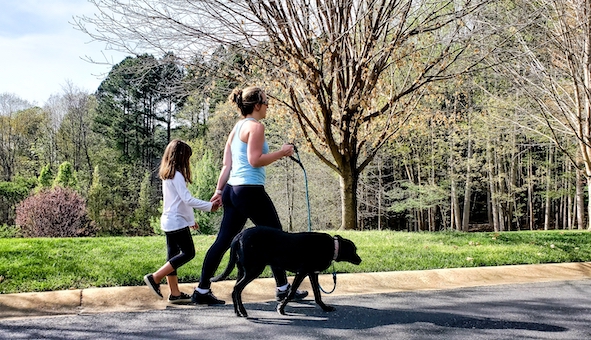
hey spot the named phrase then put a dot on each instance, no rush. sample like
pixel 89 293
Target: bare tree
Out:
pixel 552 65
pixel 350 71
pixel 73 134
pixel 10 105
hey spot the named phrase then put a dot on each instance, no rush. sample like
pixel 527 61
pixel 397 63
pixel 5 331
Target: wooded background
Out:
pixel 408 115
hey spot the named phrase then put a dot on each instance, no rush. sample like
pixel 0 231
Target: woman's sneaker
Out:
pixel 206 299
pixel 299 295
pixel 155 287
pixel 178 299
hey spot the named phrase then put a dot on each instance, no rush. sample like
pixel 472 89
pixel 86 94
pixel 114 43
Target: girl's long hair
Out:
pixel 176 158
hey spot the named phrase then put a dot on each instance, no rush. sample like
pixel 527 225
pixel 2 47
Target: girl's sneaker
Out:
pixel 155 287
pixel 181 298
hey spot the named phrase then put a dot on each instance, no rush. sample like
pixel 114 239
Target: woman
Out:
pixel 241 189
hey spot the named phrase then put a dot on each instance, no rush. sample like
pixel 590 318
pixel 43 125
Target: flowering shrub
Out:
pixel 57 212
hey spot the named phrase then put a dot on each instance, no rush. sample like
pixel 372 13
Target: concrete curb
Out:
pixel 118 299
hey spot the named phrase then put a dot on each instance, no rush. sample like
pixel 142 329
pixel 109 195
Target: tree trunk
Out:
pixel 289 190
pixel 467 189
pixel 569 201
pixel 556 206
pixel 589 204
pixel 380 190
pixel 580 201
pixel 432 210
pixel 530 190
pixel 348 186
pixel 491 188
pixel 512 183
pixel 455 218
pixel 547 201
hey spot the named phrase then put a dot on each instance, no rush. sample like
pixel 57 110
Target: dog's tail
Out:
pixel 231 263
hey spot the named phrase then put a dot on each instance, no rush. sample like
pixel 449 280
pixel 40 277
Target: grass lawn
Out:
pixel 43 264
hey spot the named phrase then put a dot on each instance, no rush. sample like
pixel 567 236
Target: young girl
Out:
pixel 177 217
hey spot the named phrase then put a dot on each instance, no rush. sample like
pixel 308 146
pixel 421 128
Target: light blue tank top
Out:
pixel 242 173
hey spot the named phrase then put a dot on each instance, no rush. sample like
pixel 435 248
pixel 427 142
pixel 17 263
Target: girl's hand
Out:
pixel 216 201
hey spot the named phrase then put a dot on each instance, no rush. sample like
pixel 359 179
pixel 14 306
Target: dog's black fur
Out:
pixel 304 254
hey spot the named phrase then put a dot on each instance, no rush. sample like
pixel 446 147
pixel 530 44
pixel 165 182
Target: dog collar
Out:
pixel 336 248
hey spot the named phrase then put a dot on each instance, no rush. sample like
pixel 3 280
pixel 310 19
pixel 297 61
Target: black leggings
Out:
pixel 180 248
pixel 241 202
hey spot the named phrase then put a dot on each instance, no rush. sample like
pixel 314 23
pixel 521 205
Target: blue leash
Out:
pixel 299 162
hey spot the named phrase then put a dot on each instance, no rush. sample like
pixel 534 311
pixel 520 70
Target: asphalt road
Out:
pixel 553 310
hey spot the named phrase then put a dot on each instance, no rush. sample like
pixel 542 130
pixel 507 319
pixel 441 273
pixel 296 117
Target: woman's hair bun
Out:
pixel 236 97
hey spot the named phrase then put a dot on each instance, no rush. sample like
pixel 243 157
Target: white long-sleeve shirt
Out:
pixel 178 207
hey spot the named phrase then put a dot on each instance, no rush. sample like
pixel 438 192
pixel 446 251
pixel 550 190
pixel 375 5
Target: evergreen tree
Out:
pixel 205 174
pixel 45 179
pixel 66 176
pixel 146 209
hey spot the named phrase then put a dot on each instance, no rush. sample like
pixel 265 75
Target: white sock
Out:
pixel 283 288
pixel 201 290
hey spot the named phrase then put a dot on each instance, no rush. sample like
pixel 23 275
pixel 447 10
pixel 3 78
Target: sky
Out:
pixel 41 51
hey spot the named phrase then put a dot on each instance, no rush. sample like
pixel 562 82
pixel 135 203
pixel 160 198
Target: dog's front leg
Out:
pixel 297 281
pixel 316 289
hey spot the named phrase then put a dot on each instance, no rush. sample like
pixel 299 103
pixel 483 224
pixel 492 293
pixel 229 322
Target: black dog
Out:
pixel 304 254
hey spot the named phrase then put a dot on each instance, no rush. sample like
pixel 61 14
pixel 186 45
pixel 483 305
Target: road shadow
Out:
pixel 307 314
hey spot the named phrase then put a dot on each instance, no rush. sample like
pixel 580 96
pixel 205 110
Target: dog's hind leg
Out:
pixel 236 293
pixel 247 277
pixel 316 289
pixel 297 281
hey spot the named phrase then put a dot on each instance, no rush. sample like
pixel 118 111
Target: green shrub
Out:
pixel 11 193
pixel 57 212
pixel 155 225
pixel 9 231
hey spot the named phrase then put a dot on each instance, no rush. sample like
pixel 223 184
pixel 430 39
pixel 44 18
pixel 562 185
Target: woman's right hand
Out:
pixel 287 150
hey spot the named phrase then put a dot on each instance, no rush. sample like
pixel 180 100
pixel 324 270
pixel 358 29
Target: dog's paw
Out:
pixel 281 309
pixel 328 308
pixel 241 314
pixel 240 311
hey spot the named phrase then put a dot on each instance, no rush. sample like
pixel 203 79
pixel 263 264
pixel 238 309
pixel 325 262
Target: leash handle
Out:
pixel 297 160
